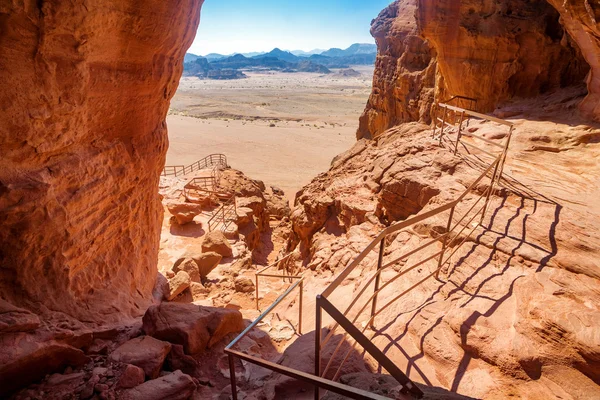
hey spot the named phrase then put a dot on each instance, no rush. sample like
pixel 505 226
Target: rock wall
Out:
pixel 84 92
pixel 489 50
pixel 497 50
pixel 404 73
pixel 580 19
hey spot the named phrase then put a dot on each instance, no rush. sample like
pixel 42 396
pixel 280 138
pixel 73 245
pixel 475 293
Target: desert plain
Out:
pixel 281 128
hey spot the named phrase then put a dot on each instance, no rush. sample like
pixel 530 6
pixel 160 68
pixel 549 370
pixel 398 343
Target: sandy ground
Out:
pixel 281 128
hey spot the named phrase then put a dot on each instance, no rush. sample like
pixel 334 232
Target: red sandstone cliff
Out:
pixel 404 74
pixel 491 51
pixel 580 20
pixel 84 91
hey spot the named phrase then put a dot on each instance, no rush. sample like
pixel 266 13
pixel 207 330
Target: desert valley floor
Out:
pixel 282 128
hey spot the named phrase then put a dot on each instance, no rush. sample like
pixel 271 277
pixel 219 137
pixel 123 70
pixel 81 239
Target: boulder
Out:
pixel 188 265
pixel 24 360
pixel 145 352
pixel 184 213
pixel 198 291
pixel 194 327
pixel 174 386
pixel 206 262
pixel 132 376
pixel 178 284
pixel 244 284
pixel 178 360
pixel 217 242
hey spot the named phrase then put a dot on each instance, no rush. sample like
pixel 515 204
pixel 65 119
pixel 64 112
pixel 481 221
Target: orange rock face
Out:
pixel 404 74
pixel 84 91
pixel 495 51
pixel 490 51
pixel 580 20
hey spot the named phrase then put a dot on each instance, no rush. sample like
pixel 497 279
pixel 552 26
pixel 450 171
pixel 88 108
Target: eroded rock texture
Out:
pixel 497 50
pixel 492 51
pixel 580 19
pixel 84 91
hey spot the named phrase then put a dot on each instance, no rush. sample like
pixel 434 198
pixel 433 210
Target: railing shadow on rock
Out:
pixel 461 215
pixel 206 162
pixel 224 216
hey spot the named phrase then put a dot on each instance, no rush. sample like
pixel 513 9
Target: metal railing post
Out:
pixel 435 119
pixel 317 342
pixel 232 377
pixel 505 153
pixel 490 190
pixel 444 242
pixel 462 117
pixel 300 308
pixel 443 125
pixel 256 286
pixel 377 279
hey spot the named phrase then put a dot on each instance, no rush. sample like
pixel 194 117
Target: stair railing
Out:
pixel 208 161
pixel 453 236
pixel 224 216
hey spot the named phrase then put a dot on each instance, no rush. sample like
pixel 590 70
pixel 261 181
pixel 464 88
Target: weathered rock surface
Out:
pixel 84 92
pixel 145 352
pixel 216 242
pixel 404 73
pixel 387 386
pixel 178 360
pixel 521 49
pixel 300 356
pixel 194 327
pixel 190 266
pixel 174 386
pixel 25 359
pixel 131 377
pixel 206 262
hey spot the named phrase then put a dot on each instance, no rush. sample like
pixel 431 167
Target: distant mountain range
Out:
pixel 357 48
pixel 218 66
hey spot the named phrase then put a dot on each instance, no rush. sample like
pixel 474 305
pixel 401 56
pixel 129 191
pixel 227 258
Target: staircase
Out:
pixel 355 321
pixel 207 162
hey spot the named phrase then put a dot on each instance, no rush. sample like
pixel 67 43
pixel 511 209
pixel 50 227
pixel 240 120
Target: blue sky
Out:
pixel 229 26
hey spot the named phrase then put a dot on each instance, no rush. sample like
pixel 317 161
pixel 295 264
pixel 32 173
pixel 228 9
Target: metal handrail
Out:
pixel 261 273
pixel 216 159
pixel 328 384
pixel 496 166
pixel 448 238
pixel 223 215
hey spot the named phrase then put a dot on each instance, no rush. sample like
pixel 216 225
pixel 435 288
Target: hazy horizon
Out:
pixel 239 26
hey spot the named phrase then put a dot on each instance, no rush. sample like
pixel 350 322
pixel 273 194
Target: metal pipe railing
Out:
pixel 210 160
pixel 495 166
pixel 342 320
